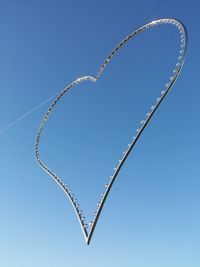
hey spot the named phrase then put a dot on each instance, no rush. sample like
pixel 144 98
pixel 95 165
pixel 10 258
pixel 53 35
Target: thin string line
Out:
pixel 28 113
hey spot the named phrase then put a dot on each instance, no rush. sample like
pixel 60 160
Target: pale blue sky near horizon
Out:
pixel 151 217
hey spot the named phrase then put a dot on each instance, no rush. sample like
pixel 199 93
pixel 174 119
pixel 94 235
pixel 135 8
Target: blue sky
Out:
pixel 151 217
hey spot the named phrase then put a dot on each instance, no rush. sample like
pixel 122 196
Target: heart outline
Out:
pixel 89 233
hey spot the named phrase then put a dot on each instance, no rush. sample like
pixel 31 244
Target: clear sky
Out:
pixel 151 217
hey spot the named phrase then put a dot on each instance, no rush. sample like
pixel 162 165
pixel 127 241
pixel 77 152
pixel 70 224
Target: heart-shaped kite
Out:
pixel 88 230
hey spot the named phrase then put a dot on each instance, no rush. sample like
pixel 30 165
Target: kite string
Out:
pixel 8 126
pixel 28 113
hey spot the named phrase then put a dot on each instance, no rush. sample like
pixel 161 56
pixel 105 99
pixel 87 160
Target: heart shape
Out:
pixel 88 232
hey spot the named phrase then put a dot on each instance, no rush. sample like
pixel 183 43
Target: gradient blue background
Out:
pixel 151 217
